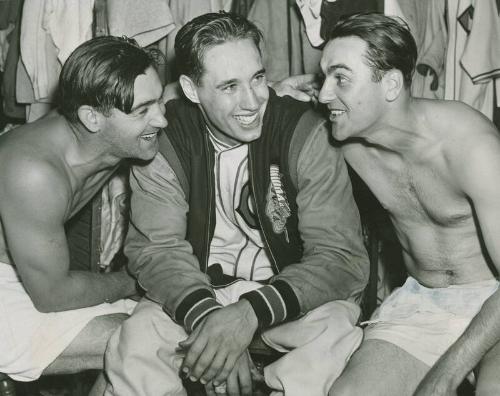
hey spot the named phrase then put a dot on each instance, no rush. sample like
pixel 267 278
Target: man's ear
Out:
pixel 189 88
pixel 90 118
pixel 393 84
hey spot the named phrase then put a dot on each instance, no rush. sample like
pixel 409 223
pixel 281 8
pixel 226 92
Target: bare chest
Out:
pixel 418 194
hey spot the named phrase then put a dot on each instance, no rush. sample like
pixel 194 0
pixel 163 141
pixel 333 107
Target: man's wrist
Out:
pixel 449 372
pixel 273 304
pixel 249 313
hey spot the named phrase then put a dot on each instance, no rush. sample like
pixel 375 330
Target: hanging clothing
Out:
pixel 272 20
pixel 147 21
pixel 426 21
pixel 183 11
pixel 11 107
pixel 473 55
pixel 311 10
pixel 69 23
pixel 241 7
pixel 8 16
pixel 429 78
pixel 287 50
pixel 332 12
pixel 50 30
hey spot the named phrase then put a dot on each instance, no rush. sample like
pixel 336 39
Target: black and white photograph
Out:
pixel 249 197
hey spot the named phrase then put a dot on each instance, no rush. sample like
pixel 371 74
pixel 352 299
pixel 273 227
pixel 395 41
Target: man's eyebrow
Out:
pixel 235 80
pixel 261 71
pixel 336 66
pixel 226 82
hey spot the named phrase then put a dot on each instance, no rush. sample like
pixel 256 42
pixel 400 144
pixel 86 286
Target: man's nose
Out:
pixel 327 92
pixel 159 120
pixel 249 99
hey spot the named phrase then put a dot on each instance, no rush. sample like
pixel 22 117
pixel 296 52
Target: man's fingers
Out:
pixel 215 367
pixel 226 370
pixel 232 384
pixel 209 389
pixel 185 344
pixel 299 95
pixel 309 78
pixel 245 379
pixel 204 361
pixel 192 355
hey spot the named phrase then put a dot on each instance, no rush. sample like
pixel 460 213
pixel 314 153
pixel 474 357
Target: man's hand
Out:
pixel 436 384
pixel 214 347
pixel 304 87
pixel 240 380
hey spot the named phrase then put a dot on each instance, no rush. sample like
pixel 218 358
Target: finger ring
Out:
pixel 220 389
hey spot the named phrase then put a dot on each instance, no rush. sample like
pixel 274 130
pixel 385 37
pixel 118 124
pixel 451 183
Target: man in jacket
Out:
pixel 243 225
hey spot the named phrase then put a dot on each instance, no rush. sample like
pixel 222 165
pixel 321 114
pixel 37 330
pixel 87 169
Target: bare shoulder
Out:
pixel 453 117
pixel 31 176
pixel 471 142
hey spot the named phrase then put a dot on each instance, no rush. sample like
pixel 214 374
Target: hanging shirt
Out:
pixel 473 55
pixel 426 21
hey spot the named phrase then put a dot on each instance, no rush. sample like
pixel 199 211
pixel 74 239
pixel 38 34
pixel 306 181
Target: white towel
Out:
pixel 31 340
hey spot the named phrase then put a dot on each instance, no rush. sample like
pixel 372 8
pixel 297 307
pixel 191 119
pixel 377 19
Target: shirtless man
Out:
pixel 55 320
pixel 434 165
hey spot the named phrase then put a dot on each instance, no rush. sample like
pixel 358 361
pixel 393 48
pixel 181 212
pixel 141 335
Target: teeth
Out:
pixel 149 136
pixel 337 112
pixel 246 120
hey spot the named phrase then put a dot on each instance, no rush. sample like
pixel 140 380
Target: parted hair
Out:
pixel 206 31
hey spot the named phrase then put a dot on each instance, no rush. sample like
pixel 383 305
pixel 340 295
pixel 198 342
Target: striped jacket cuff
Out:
pixel 273 303
pixel 194 308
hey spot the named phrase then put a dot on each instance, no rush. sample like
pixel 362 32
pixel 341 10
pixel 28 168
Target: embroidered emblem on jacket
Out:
pixel 277 207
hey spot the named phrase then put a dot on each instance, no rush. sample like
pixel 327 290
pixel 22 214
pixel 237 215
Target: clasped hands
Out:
pixel 216 351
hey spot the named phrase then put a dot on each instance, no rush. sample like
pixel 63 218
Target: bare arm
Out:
pixel 33 209
pixel 303 87
pixel 478 178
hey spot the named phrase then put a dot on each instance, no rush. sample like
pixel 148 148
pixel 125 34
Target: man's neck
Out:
pixel 396 131
pixel 86 155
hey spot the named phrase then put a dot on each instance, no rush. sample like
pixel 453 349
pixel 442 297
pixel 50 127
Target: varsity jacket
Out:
pixel 304 204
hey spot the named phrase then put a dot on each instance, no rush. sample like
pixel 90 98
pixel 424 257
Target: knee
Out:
pixel 353 384
pixel 345 388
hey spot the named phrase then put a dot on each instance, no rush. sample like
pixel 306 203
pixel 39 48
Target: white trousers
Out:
pixel 318 346
pixel 31 340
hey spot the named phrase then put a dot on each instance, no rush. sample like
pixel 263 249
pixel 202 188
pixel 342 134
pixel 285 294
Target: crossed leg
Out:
pixel 379 368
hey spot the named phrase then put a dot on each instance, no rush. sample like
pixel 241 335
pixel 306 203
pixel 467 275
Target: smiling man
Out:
pixel 55 320
pixel 244 225
pixel 434 166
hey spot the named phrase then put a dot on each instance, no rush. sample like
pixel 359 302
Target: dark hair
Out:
pixel 206 31
pixel 390 43
pixel 101 73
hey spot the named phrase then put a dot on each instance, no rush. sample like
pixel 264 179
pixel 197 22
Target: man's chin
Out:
pixel 252 136
pixel 340 133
